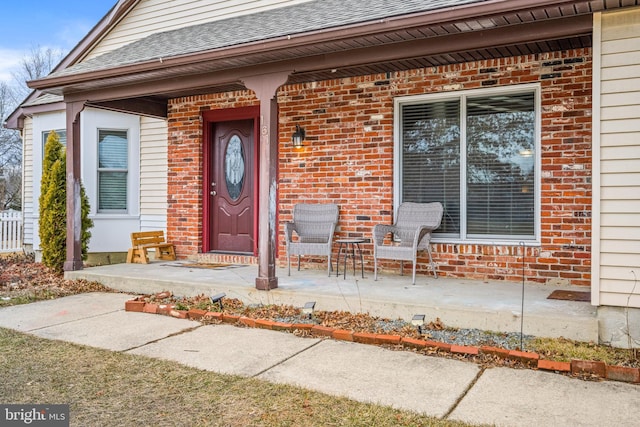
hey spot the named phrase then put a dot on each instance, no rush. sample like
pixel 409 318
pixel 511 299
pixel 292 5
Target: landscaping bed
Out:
pixel 585 360
pixel 22 281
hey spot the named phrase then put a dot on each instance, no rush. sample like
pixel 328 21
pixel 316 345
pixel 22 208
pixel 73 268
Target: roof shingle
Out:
pixel 302 18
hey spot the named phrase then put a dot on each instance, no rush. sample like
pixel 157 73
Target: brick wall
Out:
pixel 185 165
pixel 348 160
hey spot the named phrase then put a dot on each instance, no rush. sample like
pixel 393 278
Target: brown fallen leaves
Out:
pixel 24 280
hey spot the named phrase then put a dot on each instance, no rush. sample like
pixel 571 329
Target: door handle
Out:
pixel 213 192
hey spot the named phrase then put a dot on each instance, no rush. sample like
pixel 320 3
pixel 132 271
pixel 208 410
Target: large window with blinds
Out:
pixel 476 153
pixel 113 161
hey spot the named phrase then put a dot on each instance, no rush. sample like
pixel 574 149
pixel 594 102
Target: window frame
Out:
pixel 462 95
pixel 45 135
pixel 99 170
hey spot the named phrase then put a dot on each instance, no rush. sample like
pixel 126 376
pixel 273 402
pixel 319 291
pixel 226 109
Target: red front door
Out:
pixel 231 189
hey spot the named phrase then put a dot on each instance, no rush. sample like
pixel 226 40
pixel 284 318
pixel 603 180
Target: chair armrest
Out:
pixel 380 231
pixel 411 237
pixel 289 228
pixel 420 234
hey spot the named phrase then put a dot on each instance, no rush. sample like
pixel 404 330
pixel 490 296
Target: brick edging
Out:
pixel 532 360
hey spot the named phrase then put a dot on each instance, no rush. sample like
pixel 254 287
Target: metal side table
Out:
pixel 351 246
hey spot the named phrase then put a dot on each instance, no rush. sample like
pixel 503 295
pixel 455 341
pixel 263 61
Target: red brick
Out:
pixel 196 313
pixel 180 314
pixel 248 321
pixel 280 326
pixel 302 326
pixel 388 339
pixel 134 305
pixel 322 331
pixel 495 351
pixel 413 343
pixel 342 334
pixel 442 346
pixel 524 357
pixel 464 349
pixel 347 106
pixel 623 373
pixel 365 338
pixel 150 308
pixel 164 309
pixel 230 318
pixel 552 365
pixel 264 324
pixel 588 366
pixel 213 315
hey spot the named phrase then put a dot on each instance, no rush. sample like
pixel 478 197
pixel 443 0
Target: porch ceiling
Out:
pixel 479 30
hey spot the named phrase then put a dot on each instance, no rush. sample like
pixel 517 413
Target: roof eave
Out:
pixel 16 120
pixel 456 13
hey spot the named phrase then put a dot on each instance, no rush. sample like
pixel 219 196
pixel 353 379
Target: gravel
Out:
pixel 476 337
pixel 457 336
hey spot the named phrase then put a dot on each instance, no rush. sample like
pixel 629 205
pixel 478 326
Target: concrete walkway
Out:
pixel 439 387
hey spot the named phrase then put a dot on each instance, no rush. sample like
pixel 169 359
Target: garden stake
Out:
pixel 522 305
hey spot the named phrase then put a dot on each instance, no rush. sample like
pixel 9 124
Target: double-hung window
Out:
pixel 476 153
pixel 113 161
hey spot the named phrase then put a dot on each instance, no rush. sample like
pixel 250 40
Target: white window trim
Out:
pixel 92 120
pixel 44 139
pixel 397 157
pixel 99 169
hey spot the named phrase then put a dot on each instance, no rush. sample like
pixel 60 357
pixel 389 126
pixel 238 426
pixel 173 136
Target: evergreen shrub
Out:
pixel 53 207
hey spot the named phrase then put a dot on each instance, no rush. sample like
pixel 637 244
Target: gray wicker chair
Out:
pixel 412 229
pixel 314 225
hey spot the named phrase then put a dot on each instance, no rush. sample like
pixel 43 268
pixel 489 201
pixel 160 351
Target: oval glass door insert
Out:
pixel 234 167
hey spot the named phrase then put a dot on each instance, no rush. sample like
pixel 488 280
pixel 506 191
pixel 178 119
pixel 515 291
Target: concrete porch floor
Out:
pixel 486 305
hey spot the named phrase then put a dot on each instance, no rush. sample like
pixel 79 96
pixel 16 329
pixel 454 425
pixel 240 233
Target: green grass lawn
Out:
pixel 106 388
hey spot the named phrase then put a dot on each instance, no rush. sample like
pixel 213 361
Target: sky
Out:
pixel 56 24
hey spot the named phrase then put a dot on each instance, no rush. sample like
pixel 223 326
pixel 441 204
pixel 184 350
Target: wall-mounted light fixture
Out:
pixel 298 137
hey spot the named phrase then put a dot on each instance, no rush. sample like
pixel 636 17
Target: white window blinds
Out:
pixel 113 160
pixel 475 155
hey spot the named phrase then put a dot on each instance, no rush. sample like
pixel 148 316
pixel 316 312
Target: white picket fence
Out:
pixel 10 231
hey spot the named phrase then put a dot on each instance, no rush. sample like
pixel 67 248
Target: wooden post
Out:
pixel 74 205
pixel 265 88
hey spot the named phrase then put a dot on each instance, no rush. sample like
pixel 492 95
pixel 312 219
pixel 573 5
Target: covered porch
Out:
pixel 486 305
pixel 360 64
